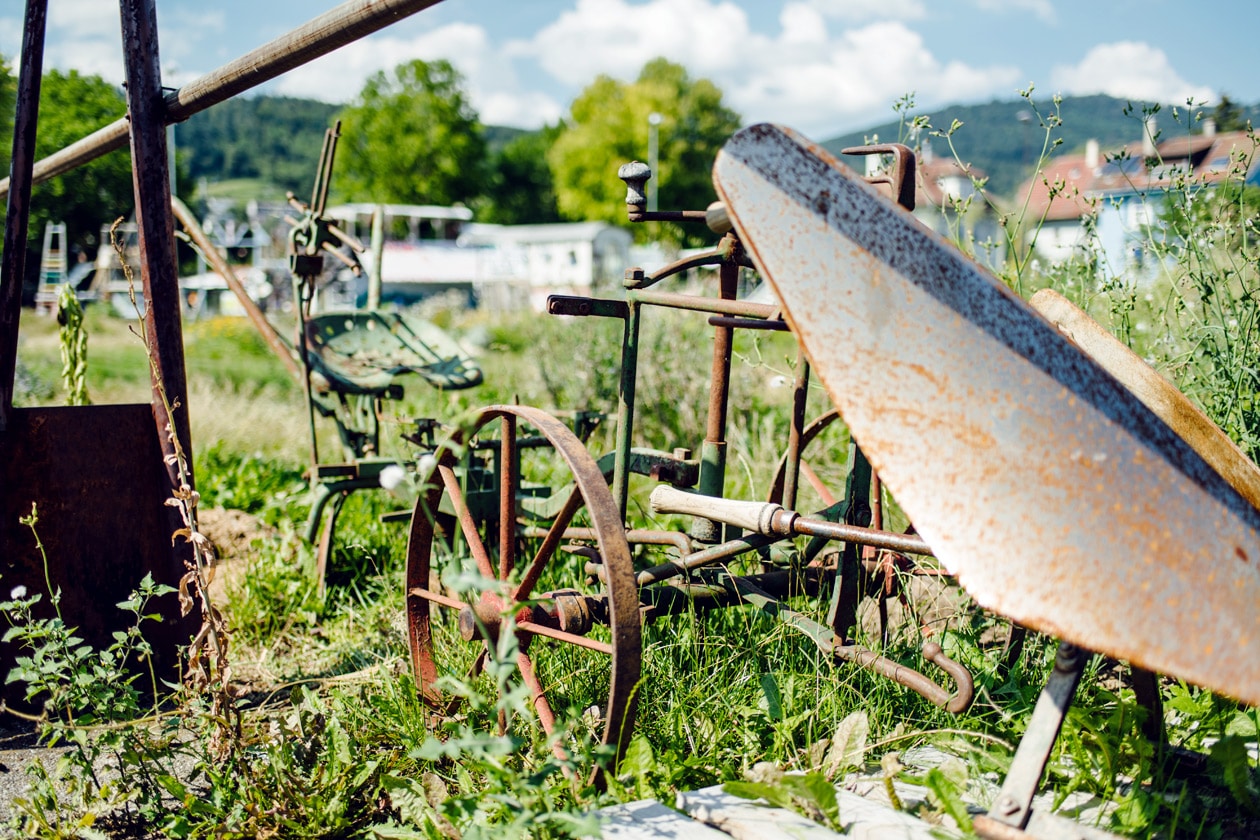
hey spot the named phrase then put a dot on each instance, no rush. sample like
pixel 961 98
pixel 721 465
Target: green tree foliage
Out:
pixel 1230 116
pixel 274 138
pixel 8 101
pixel 71 106
pixel 520 191
pixel 608 126
pixel 412 137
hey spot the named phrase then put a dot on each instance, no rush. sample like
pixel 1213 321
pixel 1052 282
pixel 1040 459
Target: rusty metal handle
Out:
pixel 901 180
pixel 965 688
pixel 954 702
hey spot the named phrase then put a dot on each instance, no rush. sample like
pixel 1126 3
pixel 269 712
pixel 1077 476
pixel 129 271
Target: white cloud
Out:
pixel 803 75
pixel 1128 70
pixel 862 10
pixel 85 18
pixel 614 37
pixel 490 78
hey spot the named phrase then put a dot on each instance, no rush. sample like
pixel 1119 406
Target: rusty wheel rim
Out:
pixel 496 551
pixel 808 434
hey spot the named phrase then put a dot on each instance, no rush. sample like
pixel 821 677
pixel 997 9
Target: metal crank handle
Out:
pixel 759 517
pixel 955 702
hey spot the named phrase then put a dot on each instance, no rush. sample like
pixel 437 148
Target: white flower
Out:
pixel 392 476
pixel 19 591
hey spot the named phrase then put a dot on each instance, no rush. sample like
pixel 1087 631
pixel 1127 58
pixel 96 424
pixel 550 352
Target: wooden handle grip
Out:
pixel 757 517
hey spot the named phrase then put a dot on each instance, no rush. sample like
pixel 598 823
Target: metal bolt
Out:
pixel 1006 805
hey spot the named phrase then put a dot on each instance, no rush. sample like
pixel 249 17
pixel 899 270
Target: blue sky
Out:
pixel 825 67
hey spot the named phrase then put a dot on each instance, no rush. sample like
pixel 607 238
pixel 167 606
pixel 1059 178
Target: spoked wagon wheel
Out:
pixel 572 636
pixel 825 485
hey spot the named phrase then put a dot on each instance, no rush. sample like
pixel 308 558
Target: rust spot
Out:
pixel 1242 555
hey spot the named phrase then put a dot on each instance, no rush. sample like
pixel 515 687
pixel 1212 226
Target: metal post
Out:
pixel 654 124
pixel 13 268
pixel 158 268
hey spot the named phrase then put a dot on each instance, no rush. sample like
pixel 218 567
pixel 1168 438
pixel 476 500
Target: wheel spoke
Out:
pixel 436 597
pixel 548 547
pixel 817 483
pixel 562 636
pixel 466 523
pixel 541 705
pixel 508 479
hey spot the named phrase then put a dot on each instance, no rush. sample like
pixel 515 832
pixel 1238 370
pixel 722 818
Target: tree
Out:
pixel 520 189
pixel 8 101
pixel 608 126
pixel 412 137
pixel 1229 116
pixel 71 106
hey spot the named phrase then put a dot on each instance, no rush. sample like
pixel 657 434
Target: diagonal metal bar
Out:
pixel 466 522
pixel 549 544
pixel 13 269
pixel 321 35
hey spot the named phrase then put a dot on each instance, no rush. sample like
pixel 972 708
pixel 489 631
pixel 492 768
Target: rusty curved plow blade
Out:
pixel 1053 494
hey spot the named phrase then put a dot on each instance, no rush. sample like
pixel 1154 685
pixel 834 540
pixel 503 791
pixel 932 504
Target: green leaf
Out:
pixel 848 744
pixel 773 698
pixel 1229 756
pixel 639 759
pixel 777 795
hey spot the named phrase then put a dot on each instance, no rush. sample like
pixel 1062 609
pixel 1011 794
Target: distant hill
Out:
pixel 275 139
pixel 272 138
pixel 996 138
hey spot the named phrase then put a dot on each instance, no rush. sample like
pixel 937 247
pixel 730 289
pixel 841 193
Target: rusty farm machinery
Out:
pixel 1039 465
pixel 1003 439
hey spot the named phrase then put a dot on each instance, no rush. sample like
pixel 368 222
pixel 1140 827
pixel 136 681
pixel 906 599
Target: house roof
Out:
pixel 1071 186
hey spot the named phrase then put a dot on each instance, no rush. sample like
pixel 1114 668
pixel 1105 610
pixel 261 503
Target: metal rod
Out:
pixel 272 338
pixel 796 429
pixel 321 35
pixel 13 268
pixel 158 267
pixel 675 300
pixel 155 224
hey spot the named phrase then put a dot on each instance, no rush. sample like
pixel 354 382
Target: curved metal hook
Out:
pixel 954 702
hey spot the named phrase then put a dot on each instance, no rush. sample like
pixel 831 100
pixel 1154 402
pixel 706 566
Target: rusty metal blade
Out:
pixel 1050 490
pixel 1155 392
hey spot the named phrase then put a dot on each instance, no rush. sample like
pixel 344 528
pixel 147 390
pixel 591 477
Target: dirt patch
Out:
pixel 234 534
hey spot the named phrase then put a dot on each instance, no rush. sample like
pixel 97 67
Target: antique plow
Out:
pixel 573 577
pixel 1039 479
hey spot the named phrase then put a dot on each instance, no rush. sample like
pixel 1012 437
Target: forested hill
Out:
pixel 272 138
pixel 277 139
pixel 1005 139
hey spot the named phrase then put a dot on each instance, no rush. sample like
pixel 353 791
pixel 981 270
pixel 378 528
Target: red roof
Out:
pixel 1068 188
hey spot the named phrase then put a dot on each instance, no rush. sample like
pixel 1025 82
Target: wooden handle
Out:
pixel 1155 392
pixel 757 517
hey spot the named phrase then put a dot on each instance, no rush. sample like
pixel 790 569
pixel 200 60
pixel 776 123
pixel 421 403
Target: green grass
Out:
pixel 334 741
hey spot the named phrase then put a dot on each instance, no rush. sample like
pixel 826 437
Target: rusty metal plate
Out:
pixel 1056 497
pixel 97 477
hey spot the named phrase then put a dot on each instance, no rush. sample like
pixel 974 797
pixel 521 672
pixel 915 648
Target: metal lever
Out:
pixel 954 702
pixel 636 175
pixel 901 179
pixel 770 519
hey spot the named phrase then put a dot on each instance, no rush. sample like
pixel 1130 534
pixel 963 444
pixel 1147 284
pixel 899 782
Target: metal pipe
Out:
pixel 713 449
pixel 13 267
pixel 321 35
pixel 189 222
pixel 694 303
pixel 158 267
